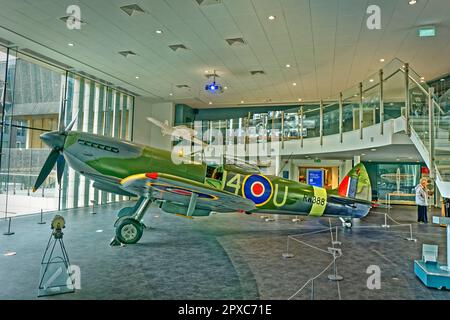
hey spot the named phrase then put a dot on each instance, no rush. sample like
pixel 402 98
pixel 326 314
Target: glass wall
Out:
pixel 31 99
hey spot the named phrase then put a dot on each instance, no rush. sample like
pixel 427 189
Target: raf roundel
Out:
pixel 258 189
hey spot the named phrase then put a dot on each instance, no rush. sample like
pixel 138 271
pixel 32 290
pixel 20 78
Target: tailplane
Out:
pixel 356 184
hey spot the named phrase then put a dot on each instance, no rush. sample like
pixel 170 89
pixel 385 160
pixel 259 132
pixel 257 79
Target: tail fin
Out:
pixel 356 184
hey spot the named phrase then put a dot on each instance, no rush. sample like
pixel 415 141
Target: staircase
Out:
pixel 431 136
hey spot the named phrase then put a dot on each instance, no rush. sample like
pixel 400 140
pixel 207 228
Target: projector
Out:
pixel 214 88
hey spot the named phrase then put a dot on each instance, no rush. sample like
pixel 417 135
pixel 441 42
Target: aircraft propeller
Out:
pixel 55 140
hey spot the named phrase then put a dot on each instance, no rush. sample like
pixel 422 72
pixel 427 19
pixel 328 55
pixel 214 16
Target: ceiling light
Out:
pixel 442 80
pixel 271 17
pixel 371 80
pixel 171 94
pixel 411 2
pixel 242 101
pixel 363 154
pixel 382 60
pixel 294 83
pixel 422 78
pixel 299 99
pixel 373 149
pixel 159 31
pixel 288 65
pixel 422 81
pixel 70 44
pixel 137 77
pixel 210 102
pixel 398 159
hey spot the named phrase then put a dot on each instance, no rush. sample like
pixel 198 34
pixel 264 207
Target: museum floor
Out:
pixel 228 256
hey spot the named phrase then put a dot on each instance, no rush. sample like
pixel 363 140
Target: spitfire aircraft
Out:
pixel 193 189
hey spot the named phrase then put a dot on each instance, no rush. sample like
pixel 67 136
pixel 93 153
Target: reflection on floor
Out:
pixel 228 256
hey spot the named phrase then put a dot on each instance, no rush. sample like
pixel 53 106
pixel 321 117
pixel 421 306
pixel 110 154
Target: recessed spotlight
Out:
pixel 99 230
pixel 422 78
pixel 373 149
pixel 382 60
pixel 242 101
pixel 159 31
pixel 422 81
pixel 271 17
pixel 206 71
pixel 397 159
pixel 299 99
pixel 363 154
pixel 70 44
pixel 171 94
pixel 371 80
pixel 411 2
pixel 288 65
pixel 137 77
pixel 210 102
pixel 294 83
pixel 225 88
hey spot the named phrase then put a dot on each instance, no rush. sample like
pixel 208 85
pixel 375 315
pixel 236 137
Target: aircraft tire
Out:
pixel 129 231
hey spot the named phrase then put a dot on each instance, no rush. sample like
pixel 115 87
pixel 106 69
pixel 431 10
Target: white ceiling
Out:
pixel 326 42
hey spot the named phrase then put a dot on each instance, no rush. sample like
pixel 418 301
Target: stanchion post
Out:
pixel 93 206
pixel 9 233
pixel 42 221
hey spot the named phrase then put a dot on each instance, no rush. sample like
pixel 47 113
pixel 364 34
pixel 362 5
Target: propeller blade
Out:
pixel 70 125
pixel 46 169
pixel 60 164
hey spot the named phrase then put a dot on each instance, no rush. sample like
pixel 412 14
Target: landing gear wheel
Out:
pixel 129 231
pixel 347 223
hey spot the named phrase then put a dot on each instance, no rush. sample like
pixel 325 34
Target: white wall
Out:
pixel 145 132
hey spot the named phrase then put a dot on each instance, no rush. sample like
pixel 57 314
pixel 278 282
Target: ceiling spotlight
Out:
pixel 225 87
pixel 159 31
pixel 398 159
pixel 210 102
pixel 373 149
pixel 371 80
pixel 294 83
pixel 171 94
pixel 411 2
pixel 271 17
pixel 363 154
pixel 137 77
pixel 206 71
pixel 382 60
pixel 288 66
pixel 299 99
pixel 422 78
pixel 242 101
pixel 70 44
pixel 442 80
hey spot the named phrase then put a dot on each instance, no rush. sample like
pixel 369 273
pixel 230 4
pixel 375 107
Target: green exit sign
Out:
pixel 317 160
pixel 425 32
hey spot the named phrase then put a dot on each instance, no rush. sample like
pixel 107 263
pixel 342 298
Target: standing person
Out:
pixel 422 200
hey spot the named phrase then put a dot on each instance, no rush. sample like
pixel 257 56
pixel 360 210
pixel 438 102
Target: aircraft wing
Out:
pixel 180 190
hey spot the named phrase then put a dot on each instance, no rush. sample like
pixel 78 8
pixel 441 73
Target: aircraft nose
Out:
pixel 53 139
